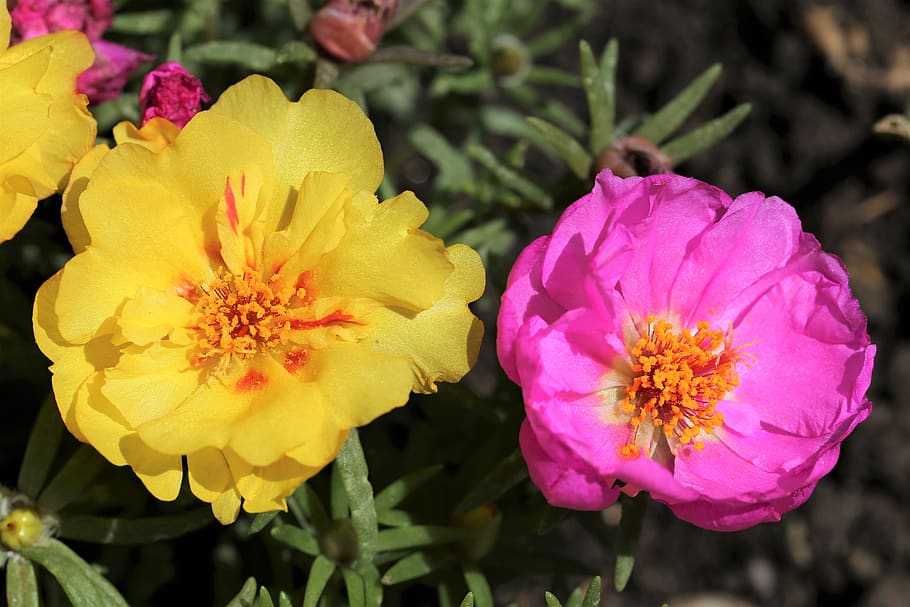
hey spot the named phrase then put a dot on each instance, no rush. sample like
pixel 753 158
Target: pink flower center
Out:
pixel 679 376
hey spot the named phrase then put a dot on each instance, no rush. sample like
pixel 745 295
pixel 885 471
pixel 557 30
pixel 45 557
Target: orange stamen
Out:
pixel 679 378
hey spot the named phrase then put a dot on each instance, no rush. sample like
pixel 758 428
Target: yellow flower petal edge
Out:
pixel 45 123
pixel 239 298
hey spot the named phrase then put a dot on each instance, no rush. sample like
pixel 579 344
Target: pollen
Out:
pixel 241 316
pixel 678 379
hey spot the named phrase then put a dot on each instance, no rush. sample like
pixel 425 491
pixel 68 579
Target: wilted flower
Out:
pixel 672 340
pixel 46 126
pixel 171 92
pixel 241 299
pixel 113 62
pixel 350 29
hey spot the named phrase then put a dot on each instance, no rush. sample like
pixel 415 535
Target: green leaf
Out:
pixel 574 599
pixel 599 82
pixel 21 584
pixel 320 572
pixel 175 48
pixel 265 599
pixel 397 490
pixel 661 125
pixel 633 514
pixel 111 530
pixel 284 600
pixel 247 54
pixel 296 538
pixel 478 585
pixel 468 600
pixel 76 474
pixel 295 51
pixel 553 76
pixel 415 565
pixel 592 595
pixel 394 518
pixel 338 499
pixel 247 595
pixel 144 22
pixel 688 145
pixel 372 586
pixel 354 585
pixel 42 447
pixel 355 477
pixel 552 601
pixel 261 521
pixel 81 582
pixel 418 535
pixel 455 172
pixel 301 13
pixel 306 507
pixel 503 121
pixel 504 475
pixel 530 191
pixel 579 160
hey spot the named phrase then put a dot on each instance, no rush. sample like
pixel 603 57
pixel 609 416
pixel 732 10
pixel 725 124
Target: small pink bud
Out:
pixel 171 92
pixel 350 29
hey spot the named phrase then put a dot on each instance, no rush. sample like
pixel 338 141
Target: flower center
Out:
pixel 679 378
pixel 241 316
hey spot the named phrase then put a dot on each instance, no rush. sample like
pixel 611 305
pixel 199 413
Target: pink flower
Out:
pixel 33 18
pixel 171 92
pixel 669 339
pixel 113 64
pixel 350 29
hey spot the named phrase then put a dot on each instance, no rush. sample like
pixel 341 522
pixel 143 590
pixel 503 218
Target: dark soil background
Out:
pixel 819 75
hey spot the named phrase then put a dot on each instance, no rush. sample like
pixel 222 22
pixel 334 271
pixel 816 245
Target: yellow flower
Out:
pixel 240 298
pixel 45 124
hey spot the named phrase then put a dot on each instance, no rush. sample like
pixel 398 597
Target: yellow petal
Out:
pixel 23 108
pixel 161 474
pixel 73 364
pixel 150 383
pixel 442 342
pixel 315 227
pixel 67 129
pixel 140 221
pixel 226 506
pixel 6 25
pixel 208 473
pixel 99 421
pixel 152 314
pixel 283 414
pixel 73 223
pixel 265 488
pixel 384 256
pixel 318 455
pixel 240 220
pixel 17 203
pixel 323 131
pixel 360 385
pixel 155 135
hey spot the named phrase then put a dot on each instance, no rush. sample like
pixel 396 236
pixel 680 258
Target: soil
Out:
pixel 819 76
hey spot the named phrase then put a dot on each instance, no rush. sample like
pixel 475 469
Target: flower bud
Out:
pixel 350 29
pixel 21 528
pixel 634 155
pixel 171 92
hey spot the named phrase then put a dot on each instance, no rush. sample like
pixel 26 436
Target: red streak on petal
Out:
pixel 295 360
pixel 187 290
pixel 338 317
pixel 253 380
pixel 233 219
pixel 242 184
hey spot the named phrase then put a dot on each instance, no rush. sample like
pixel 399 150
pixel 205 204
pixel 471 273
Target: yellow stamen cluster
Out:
pixel 241 316
pixel 679 378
